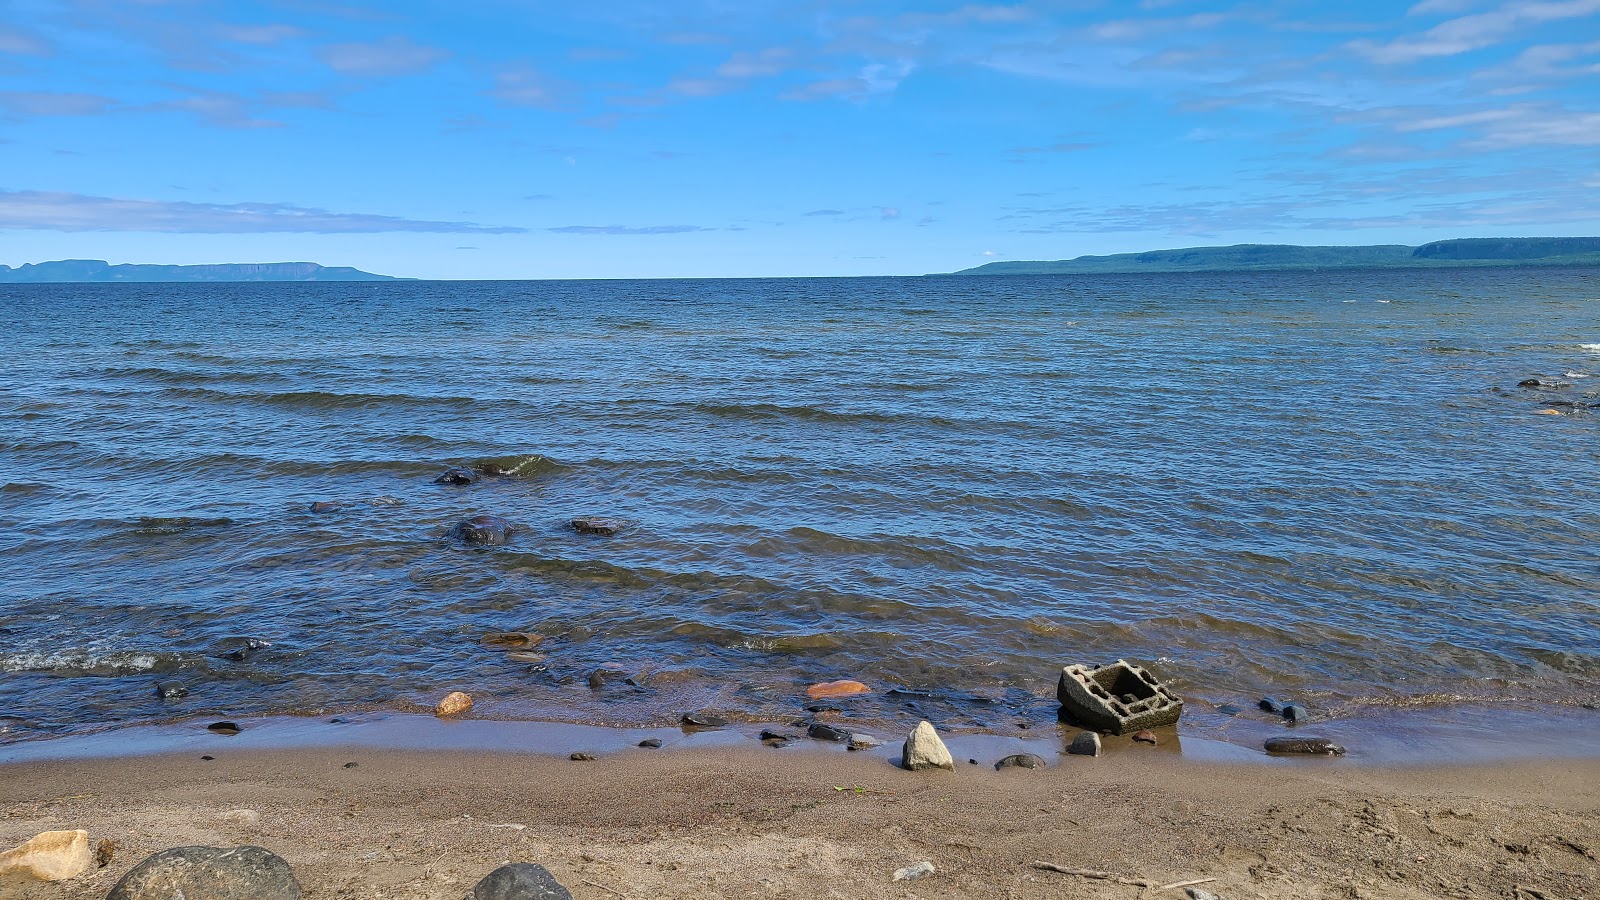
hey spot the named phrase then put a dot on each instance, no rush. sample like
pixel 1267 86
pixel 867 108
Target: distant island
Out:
pixel 1576 251
pixel 98 270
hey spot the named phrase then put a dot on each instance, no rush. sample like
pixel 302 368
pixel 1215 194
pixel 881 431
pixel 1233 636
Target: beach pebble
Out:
pixel 651 743
pixel 583 757
pixel 1145 737
pixel 822 731
pixel 1020 761
pixel 1200 894
pixel 48 856
pixel 831 689
pixel 1315 746
pixel 591 525
pixel 224 728
pixel 351 765
pixel 104 852
pixel 924 749
pixel 703 720
pixel 454 704
pixel 863 742
pixel 913 872
pixel 171 690
pixel 520 881
pixel 245 817
pixel 484 531
pixel 1087 743
pixel 457 476
pixel 232 873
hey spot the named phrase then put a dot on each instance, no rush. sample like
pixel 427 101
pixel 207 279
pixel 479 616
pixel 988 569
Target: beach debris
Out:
pixel 517 640
pixel 1098 875
pixel 1310 745
pixel 580 756
pixel 1117 697
pixel 458 475
pixel 924 750
pixel 237 649
pixel 48 856
pixel 171 690
pixel 1087 743
pixel 862 741
pixel 236 872
pixel 822 731
pixel 829 690
pixel 484 531
pixel 454 704
pixel 229 728
pixel 246 817
pixel 1020 761
pixel 594 525
pixel 914 871
pixel 104 852
pixel 651 743
pixel 326 506
pixel 1145 737
pixel 520 881
pixel 703 720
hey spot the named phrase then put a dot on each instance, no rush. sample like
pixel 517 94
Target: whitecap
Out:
pixel 1592 348
pixel 123 662
pixel 1576 375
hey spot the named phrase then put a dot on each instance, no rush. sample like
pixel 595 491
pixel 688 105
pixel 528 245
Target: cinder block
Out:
pixel 1118 697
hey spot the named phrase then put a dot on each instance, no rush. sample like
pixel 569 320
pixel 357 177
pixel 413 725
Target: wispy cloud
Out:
pixel 523 85
pixel 23 43
pixel 628 229
pixel 1474 32
pixel 51 103
pixel 393 56
pixel 57 211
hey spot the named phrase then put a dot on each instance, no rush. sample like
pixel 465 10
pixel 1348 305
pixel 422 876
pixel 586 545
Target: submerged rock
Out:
pixel 703 720
pixel 48 856
pixel 592 525
pixel 1294 712
pixel 484 531
pixel 238 649
pixel 1087 743
pixel 326 506
pixel 1309 745
pixel 457 476
pixel 171 690
pixel 514 639
pixel 211 873
pixel 454 704
pixel 651 743
pixel 520 881
pixel 224 728
pixel 924 749
pixel 1271 705
pixel 829 690
pixel 1020 761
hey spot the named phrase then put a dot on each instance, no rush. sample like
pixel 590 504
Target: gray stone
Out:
pixel 484 531
pixel 520 881
pixel 1200 894
pixel 924 750
pixel 703 720
pixel 1118 697
pixel 914 871
pixel 1311 745
pixel 171 690
pixel 1087 743
pixel 1294 712
pixel 863 742
pixel 1020 761
pixel 651 743
pixel 1271 705
pixel 209 873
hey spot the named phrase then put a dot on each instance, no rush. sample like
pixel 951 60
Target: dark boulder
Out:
pixel 171 690
pixel 591 525
pixel 457 476
pixel 210 873
pixel 520 881
pixel 484 531
pixel 822 731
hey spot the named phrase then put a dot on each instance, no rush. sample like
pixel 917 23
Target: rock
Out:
pixel 914 871
pixel 457 476
pixel 1087 743
pixel 237 649
pixel 1146 737
pixel 863 742
pixel 208 758
pixel 229 728
pixel 1294 712
pixel 171 690
pixel 703 720
pixel 1271 705
pixel 248 818
pixel 1200 894
pixel 351 765
pixel 1020 761
pixel 831 689
pixel 1315 746
pixel 326 506
pixel 822 731
pixel 484 531
pixel 1228 709
pixel 520 881
pixel 49 856
pixel 924 750
pixel 209 873
pixel 651 743
pixel 104 852
pixel 1547 412
pixel 776 738
pixel 517 640
pixel 454 704
pixel 589 525
pixel 601 676
pixel 583 757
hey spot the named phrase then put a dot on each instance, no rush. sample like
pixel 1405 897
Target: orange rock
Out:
pixel 454 704
pixel 1548 412
pixel 830 689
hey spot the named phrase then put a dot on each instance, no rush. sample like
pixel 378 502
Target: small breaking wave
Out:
pixel 101 664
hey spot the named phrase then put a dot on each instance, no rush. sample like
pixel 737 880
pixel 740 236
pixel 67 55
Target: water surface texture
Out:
pixel 1328 486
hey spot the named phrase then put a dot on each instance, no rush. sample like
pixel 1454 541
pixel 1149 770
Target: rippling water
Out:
pixel 1324 485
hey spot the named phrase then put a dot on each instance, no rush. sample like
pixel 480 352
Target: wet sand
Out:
pixel 714 821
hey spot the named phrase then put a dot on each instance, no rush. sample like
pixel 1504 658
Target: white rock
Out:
pixel 913 872
pixel 248 817
pixel 51 856
pixel 924 750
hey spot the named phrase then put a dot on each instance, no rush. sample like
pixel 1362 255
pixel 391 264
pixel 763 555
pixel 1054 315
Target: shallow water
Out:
pixel 1327 486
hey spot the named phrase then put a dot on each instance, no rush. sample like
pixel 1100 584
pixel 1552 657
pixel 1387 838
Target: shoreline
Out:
pixel 739 821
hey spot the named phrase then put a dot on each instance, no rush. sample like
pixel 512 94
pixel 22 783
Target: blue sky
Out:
pixel 492 139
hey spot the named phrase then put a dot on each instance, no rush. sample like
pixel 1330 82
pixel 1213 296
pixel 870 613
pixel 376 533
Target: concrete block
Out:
pixel 1117 698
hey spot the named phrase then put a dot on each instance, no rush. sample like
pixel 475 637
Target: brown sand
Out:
pixel 775 823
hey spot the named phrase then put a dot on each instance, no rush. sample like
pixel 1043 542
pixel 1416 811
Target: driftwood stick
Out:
pixel 1092 873
pixel 1178 884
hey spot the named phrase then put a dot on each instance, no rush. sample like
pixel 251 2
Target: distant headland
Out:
pixel 1574 251
pixel 98 270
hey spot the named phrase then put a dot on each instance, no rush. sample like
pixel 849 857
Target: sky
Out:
pixel 610 139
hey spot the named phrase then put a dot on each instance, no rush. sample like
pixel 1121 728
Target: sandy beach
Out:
pixel 799 822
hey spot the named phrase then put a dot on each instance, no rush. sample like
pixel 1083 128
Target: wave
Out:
pixel 92 663
pixel 318 400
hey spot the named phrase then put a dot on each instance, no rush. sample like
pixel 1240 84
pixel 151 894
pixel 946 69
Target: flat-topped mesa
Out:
pixel 1117 698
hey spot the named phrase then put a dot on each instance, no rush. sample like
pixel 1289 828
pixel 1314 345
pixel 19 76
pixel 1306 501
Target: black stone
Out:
pixel 822 731
pixel 171 690
pixel 325 506
pixel 770 735
pixel 237 649
pixel 351 765
pixel 1271 705
pixel 1020 761
pixel 1528 383
pixel 209 873
pixel 1294 712
pixel 208 758
pixel 520 881
pixel 484 531
pixel 652 743
pixel 457 476
pixel 1315 746
pixel 703 720
pixel 224 727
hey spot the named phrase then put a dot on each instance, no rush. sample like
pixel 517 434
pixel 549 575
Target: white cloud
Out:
pixel 1473 32
pixel 389 57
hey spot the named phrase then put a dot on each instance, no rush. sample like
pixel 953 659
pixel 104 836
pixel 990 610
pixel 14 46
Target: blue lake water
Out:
pixel 1324 485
